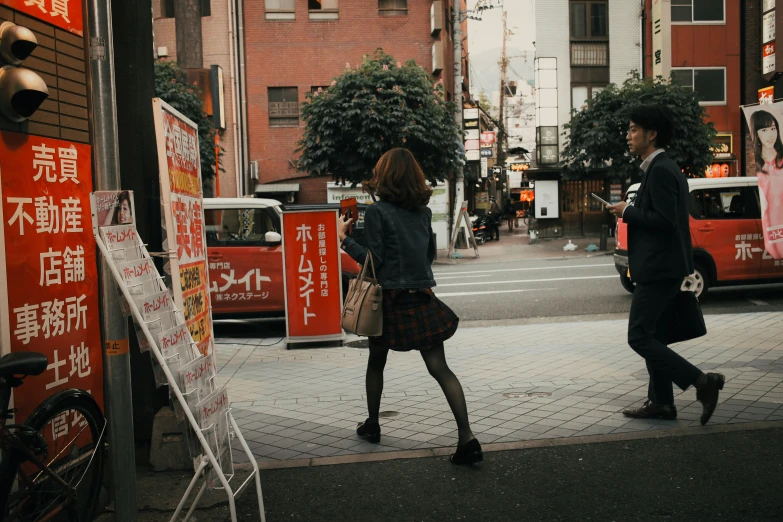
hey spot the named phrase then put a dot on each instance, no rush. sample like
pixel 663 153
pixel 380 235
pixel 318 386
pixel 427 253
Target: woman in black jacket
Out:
pixel 398 232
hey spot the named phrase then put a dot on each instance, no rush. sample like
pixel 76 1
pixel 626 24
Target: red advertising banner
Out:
pixel 65 14
pixel 49 295
pixel 180 172
pixel 487 138
pixel 311 265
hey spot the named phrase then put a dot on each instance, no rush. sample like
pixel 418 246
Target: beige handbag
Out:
pixel 363 310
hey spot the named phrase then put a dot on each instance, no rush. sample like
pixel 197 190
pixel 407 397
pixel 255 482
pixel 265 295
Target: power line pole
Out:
pixel 502 115
pixel 456 32
pixel 116 363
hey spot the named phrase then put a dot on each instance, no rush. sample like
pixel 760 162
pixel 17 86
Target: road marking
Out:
pixel 758 302
pixel 525 269
pixel 490 292
pixel 463 277
pixel 529 281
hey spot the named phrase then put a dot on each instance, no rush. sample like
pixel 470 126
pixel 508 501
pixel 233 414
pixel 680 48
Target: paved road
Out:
pixel 726 476
pixel 531 289
pixel 538 289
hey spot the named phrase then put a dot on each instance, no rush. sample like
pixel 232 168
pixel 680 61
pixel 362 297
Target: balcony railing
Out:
pixel 589 54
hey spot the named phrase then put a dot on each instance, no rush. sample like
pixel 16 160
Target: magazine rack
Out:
pixel 207 465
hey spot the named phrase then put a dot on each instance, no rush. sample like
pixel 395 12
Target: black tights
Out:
pixel 435 359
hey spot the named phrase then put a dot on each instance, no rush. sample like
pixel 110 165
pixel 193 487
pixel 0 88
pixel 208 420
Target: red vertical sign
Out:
pixel 50 263
pixel 311 262
pixel 65 14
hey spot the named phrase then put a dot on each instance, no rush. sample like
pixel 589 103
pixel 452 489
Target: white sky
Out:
pixel 488 33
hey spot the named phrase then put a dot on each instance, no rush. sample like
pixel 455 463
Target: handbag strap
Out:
pixel 367 260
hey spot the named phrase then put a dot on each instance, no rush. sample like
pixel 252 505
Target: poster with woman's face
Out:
pixel 112 208
pixel 764 125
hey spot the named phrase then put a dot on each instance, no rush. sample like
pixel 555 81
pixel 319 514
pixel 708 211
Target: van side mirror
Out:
pixel 273 238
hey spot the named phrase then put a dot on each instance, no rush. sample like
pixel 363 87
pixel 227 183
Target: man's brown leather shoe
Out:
pixel 650 410
pixel 708 395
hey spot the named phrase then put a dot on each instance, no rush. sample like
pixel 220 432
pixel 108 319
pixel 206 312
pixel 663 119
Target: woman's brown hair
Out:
pixel 398 179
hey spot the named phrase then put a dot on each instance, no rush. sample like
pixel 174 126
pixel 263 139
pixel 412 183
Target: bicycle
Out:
pixel 39 479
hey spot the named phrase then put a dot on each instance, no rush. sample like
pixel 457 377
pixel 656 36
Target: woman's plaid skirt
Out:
pixel 414 320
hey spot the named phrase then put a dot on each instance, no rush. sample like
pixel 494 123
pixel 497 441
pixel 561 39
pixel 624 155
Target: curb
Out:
pixel 453 262
pixel 508 446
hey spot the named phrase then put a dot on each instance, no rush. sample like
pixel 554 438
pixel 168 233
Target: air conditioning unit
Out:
pixel 254 170
pixel 437 57
pixel 436 17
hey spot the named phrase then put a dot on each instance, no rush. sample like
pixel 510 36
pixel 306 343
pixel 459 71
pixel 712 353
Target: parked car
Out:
pixel 725 225
pixel 245 257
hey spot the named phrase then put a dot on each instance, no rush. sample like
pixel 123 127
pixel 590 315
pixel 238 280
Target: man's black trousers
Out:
pixel 651 311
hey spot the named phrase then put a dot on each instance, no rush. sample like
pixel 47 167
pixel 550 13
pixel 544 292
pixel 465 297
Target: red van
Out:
pixel 245 257
pixel 725 223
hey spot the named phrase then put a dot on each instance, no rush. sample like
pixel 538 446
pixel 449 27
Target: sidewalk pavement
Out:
pixel 522 383
pixel 515 246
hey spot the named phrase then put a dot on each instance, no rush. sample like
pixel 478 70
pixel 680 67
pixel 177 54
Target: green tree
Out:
pixel 171 85
pixel 367 111
pixel 596 136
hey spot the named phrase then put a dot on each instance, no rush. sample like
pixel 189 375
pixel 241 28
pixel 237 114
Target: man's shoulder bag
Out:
pixel 363 308
pixel 687 321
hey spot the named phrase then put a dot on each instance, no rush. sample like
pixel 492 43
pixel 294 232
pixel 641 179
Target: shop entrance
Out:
pixel 583 215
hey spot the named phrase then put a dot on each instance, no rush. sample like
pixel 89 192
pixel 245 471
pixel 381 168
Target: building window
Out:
pixel 709 83
pixel 167 8
pixel 322 9
pixel 279 9
pixel 698 11
pixel 589 20
pixel 206 8
pixel 392 7
pixel 283 107
pixel 582 95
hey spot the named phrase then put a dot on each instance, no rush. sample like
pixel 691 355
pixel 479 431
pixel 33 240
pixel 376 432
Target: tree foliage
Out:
pixel 595 137
pixel 171 85
pixel 369 110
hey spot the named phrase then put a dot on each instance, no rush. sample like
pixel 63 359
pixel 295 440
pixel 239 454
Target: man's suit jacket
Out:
pixel 659 239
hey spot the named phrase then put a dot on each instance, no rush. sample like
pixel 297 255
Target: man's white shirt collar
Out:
pixel 646 163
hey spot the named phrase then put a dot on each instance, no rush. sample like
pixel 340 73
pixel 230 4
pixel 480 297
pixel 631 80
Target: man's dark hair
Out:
pixel 655 118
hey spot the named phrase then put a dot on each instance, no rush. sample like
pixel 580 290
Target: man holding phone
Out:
pixel 659 258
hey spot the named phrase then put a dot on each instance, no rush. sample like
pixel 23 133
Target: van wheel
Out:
pixel 702 281
pixel 627 283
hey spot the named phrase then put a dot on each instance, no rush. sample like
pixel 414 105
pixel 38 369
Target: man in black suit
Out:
pixel 659 259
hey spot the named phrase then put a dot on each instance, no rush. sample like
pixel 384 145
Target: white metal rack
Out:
pixel 207 462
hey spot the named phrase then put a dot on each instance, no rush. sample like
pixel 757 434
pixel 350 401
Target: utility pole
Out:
pixel 502 114
pixel 456 35
pixel 118 404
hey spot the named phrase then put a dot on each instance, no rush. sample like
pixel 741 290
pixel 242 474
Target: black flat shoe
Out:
pixel 708 395
pixel 469 453
pixel 369 430
pixel 650 410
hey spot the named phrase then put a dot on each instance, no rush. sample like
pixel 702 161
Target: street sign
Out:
pixel 470 114
pixel 64 14
pixel 486 153
pixel 183 211
pixel 484 167
pixel 767 95
pixel 471 134
pixel 472 155
pixel 48 268
pixel 487 138
pixel 471 144
pixel 497 170
pixel 312 276
pixel 519 167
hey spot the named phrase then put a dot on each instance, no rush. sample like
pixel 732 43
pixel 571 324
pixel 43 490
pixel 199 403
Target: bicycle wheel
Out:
pixel 68 428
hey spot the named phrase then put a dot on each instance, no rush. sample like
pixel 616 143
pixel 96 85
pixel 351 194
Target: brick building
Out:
pixel 218 24
pixel 704 45
pixel 293 46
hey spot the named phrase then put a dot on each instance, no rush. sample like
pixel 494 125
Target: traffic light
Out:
pixel 21 90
